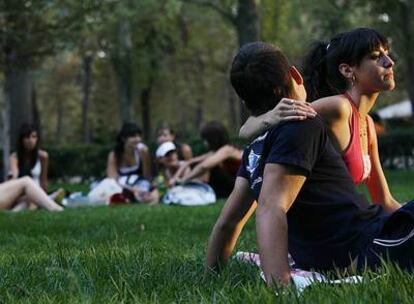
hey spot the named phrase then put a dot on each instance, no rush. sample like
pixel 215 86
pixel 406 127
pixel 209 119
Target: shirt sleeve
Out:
pixel 297 144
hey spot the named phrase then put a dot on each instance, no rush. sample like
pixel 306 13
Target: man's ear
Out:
pixel 297 77
pixel 346 70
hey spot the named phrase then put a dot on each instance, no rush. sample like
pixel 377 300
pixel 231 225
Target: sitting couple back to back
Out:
pixel 292 173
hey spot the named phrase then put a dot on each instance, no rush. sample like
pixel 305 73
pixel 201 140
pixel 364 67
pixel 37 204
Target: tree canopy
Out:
pixel 80 68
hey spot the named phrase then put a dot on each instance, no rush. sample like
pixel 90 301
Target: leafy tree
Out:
pixel 29 31
pixel 137 39
pixel 244 15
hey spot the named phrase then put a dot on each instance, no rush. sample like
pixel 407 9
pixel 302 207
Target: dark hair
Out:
pixel 215 134
pixel 128 129
pixel 26 159
pixel 260 76
pixel 320 66
pixel 166 127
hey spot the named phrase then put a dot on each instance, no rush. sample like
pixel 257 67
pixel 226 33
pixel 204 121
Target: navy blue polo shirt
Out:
pixel 329 222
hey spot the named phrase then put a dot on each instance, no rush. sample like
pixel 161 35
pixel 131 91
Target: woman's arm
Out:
pixel 208 163
pixel 182 171
pixel 14 166
pixel 111 166
pixel 285 110
pixel 44 163
pixel 185 167
pixel 199 158
pixel 186 152
pixel 377 183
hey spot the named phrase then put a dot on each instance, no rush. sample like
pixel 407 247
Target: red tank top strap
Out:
pixel 352 155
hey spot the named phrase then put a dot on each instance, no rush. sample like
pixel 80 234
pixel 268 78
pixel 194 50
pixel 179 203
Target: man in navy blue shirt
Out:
pixel 307 203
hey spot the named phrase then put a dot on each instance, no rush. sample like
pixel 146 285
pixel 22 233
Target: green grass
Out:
pixel 140 254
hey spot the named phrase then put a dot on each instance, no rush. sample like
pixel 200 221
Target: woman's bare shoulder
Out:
pixel 231 151
pixel 333 107
pixel 43 154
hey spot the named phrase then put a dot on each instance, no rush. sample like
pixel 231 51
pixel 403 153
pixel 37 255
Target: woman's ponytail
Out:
pixel 315 74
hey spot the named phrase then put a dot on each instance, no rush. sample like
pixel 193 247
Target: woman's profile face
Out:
pixel 132 141
pixel 165 135
pixel 375 72
pixel 30 141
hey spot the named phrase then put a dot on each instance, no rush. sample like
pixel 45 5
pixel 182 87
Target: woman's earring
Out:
pixel 353 80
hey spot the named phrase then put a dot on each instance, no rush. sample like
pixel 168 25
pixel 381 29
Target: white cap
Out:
pixel 164 148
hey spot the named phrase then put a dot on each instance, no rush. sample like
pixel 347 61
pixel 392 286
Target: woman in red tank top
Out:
pixel 358 66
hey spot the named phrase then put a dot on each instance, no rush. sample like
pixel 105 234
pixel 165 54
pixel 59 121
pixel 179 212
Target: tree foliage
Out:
pixel 158 62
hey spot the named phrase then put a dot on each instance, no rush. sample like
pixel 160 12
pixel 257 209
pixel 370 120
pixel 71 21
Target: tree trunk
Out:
pixel 146 111
pixel 125 87
pixel 59 120
pixel 36 112
pixel 87 63
pixel 20 96
pixel 248 21
pixel 6 126
pixel 248 30
pixel 125 71
pixel 199 113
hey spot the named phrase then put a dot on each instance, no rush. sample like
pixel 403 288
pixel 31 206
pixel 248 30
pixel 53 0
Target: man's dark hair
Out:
pixel 260 76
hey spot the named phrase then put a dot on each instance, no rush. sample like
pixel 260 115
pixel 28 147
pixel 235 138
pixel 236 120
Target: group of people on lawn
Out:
pixel 130 164
pixel 303 162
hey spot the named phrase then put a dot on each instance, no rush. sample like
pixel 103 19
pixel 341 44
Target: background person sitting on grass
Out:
pixel 166 134
pixel 219 166
pixel 29 160
pixel 307 202
pixel 171 167
pixel 130 164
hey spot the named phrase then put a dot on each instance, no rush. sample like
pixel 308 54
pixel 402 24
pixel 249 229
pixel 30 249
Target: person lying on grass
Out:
pixel 24 189
pixel 307 203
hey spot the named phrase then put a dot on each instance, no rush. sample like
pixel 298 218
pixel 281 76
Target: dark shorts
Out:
pixel 394 243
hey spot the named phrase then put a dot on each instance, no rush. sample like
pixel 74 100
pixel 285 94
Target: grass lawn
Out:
pixel 140 254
